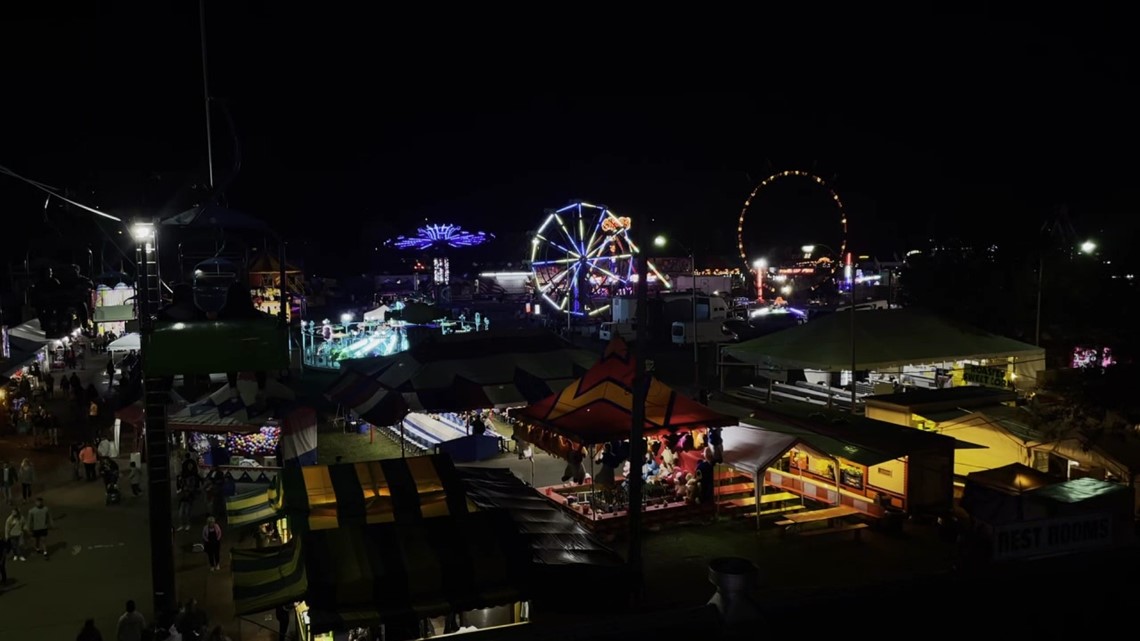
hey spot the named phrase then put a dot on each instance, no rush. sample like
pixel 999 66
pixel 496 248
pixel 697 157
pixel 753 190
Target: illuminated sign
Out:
pixel 1052 536
pixel 795 271
pixel 980 375
pixel 611 224
pixel 5 348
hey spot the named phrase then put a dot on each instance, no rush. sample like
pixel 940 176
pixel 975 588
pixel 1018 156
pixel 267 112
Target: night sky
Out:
pixel 356 127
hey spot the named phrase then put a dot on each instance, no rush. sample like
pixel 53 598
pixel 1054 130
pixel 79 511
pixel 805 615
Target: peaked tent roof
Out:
pixel 1014 478
pixel 598 407
pixel 227 410
pixel 456 372
pixel 883 338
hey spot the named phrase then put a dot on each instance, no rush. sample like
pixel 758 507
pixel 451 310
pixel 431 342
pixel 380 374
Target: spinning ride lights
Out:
pixel 440 237
pixel 747 210
pixel 582 256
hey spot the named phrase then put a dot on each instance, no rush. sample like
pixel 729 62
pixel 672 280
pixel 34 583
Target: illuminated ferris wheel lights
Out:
pixel 567 208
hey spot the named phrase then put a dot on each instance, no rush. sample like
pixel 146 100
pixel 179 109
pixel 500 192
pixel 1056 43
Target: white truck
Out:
pixel 711 331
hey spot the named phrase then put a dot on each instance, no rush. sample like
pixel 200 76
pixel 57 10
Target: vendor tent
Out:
pixel 30 331
pixel 360 575
pixel 378 314
pixel 457 372
pixel 883 339
pixel 299 435
pixel 240 409
pixel 125 343
pixel 251 508
pixel 597 408
pixel 21 352
pixel 753 450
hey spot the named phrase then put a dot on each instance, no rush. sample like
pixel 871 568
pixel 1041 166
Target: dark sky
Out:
pixel 354 127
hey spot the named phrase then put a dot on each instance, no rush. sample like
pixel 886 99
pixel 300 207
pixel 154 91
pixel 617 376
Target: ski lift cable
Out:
pixel 54 192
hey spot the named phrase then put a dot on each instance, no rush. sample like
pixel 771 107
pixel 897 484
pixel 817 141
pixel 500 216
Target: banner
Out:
pixel 1052 536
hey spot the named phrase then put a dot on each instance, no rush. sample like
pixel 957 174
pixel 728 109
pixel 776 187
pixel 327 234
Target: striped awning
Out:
pixel 396 572
pixel 325 497
pixel 267 578
pixel 255 507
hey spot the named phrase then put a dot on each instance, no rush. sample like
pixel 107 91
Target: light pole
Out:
pixel 1088 247
pixel 156 395
pixel 760 264
pixel 662 241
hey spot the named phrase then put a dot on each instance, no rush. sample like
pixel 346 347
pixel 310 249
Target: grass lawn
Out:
pixel 355 447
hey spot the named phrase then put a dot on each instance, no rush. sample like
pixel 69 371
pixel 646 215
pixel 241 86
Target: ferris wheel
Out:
pixel 747 211
pixel 582 256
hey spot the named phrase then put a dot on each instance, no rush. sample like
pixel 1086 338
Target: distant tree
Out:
pixel 1088 404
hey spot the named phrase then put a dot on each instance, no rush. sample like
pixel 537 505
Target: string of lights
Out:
pixel 440 236
pixel 793 173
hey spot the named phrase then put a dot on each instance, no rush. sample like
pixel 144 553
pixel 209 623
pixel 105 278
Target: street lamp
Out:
pixel 1088 247
pixel 156 395
pixel 760 264
pixel 661 242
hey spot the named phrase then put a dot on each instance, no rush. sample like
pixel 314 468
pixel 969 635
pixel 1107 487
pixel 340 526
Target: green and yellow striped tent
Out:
pixel 382 541
pixel 325 497
pixel 322 497
pixel 252 508
pixel 267 578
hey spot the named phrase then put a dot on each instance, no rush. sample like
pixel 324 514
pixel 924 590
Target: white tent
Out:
pixel 124 343
pixel 753 450
pixel 378 314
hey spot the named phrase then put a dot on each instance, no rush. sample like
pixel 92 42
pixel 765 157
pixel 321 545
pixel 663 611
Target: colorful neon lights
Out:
pixel 581 256
pixel 440 236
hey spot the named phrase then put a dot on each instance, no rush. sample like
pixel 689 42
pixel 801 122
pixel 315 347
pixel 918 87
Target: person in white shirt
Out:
pixel 131 624
pixel 39 522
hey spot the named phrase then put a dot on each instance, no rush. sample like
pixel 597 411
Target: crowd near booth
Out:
pixel 589 424
pixel 430 394
pixel 248 430
pixel 1019 513
pixel 893 349
pixel 415 545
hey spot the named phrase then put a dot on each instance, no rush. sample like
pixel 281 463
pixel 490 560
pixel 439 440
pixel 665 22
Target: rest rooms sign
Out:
pixel 1052 536
pixel 991 376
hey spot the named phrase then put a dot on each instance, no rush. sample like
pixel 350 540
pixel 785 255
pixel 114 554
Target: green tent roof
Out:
pixel 883 338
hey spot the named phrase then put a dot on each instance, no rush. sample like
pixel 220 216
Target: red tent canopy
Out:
pixel 598 407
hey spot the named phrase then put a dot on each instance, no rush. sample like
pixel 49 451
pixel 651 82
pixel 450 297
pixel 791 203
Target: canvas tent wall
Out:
pixel 885 340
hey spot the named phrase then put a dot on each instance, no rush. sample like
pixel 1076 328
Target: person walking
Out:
pixel 187 492
pixel 131 624
pixel 49 385
pixel 134 477
pixel 27 478
pixel 212 540
pixel 39 522
pixel 14 527
pixel 89 632
pixel 89 457
pixel 8 478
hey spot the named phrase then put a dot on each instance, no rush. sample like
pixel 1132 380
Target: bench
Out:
pixel 855 528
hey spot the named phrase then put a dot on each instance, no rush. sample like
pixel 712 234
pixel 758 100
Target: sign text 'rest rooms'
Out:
pixel 1052 536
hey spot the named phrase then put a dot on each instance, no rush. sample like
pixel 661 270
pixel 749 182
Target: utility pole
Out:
pixel 637 429
pixel 206 91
